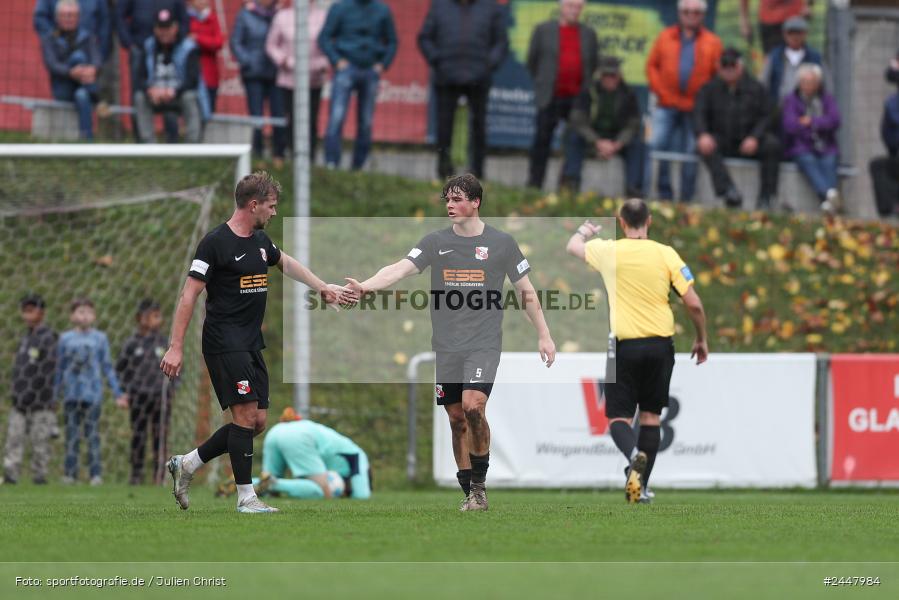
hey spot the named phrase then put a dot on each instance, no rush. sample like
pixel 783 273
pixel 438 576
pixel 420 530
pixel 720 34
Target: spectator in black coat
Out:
pixel 732 118
pixel 464 42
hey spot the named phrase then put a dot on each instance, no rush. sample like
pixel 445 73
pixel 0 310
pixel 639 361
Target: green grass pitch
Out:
pixel 416 544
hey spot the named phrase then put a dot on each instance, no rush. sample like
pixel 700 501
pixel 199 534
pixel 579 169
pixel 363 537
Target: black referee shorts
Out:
pixel 238 377
pixel 458 371
pixel 643 377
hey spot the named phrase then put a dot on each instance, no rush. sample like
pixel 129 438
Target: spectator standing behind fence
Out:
pixel 772 15
pixel 464 42
pixel 168 80
pixel 885 169
pixel 82 361
pixel 135 20
pixel 149 398
pixel 72 58
pixel 280 48
pixel 782 63
pixel 733 118
pixel 810 122
pixel 683 58
pixel 207 34
pixel 607 117
pixel 33 412
pixel 257 71
pixel 94 19
pixel 359 39
pixel 561 60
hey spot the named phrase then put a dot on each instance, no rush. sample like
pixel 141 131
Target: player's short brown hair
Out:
pixel 467 184
pixel 634 212
pixel 259 186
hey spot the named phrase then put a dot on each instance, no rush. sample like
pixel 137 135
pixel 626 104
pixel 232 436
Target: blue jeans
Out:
pixel 83 96
pixel 88 415
pixel 257 92
pixel 672 131
pixel 364 81
pixel 821 171
pixel 634 156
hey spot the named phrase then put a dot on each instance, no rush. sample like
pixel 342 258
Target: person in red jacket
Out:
pixel 683 58
pixel 205 31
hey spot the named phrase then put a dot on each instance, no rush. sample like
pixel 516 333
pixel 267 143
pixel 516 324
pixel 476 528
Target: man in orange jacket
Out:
pixel 683 58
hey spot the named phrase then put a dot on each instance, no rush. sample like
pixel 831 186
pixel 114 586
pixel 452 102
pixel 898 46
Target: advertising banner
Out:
pixel 739 420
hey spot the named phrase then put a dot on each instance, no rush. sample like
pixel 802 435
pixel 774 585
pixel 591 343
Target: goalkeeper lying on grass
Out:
pixel 309 450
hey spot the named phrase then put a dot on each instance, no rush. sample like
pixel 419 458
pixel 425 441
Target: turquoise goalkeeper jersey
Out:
pixel 308 448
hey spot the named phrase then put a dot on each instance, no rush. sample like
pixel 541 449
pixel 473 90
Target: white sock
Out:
pixel 245 492
pixel 191 462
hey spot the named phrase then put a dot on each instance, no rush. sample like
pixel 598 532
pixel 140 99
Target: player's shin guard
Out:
pixel 648 442
pixel 240 448
pixel 216 445
pixel 479 466
pixel 464 477
pixel 624 438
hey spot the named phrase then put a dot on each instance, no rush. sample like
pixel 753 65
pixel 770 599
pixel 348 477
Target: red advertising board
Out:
pixel 865 417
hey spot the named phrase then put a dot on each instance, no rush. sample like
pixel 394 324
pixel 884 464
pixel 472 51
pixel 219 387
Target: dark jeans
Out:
pixel 447 100
pixel 634 156
pixel 672 131
pixel 547 119
pixel 365 82
pixel 213 96
pixel 768 154
pixel 146 415
pixel 885 179
pixel 315 97
pixel 258 91
pixel 86 414
pixel 84 97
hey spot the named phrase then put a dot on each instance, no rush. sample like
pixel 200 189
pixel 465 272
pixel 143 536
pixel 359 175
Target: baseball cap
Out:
pixel 730 57
pixel 609 64
pixel 165 18
pixel 795 24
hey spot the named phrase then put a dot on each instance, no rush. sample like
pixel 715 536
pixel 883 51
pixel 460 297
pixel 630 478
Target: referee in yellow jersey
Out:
pixel 639 275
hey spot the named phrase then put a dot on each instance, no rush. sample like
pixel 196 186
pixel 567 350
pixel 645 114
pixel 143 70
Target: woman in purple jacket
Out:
pixel 810 122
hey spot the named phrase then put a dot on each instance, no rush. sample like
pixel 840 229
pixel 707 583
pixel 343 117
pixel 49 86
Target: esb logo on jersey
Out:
pixel 243 387
pixel 438 391
pixel 480 252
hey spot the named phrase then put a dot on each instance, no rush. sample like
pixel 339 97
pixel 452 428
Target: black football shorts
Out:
pixel 238 377
pixel 457 371
pixel 643 377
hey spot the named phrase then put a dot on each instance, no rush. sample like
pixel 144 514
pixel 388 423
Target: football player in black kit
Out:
pixel 232 263
pixel 469 262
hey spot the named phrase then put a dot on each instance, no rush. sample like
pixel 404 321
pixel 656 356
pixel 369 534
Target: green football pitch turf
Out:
pixel 531 544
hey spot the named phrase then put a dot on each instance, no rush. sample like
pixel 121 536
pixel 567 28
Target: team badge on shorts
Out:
pixel 264 255
pixel 243 387
pixel 480 252
pixel 438 391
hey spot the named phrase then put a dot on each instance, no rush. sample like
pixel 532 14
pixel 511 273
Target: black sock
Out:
pixel 624 438
pixel 216 445
pixel 240 447
pixel 479 466
pixel 464 477
pixel 649 443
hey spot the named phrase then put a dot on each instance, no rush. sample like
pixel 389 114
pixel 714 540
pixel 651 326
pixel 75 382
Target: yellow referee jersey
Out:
pixel 639 275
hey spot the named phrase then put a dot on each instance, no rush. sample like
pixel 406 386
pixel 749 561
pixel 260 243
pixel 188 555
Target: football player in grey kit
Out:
pixel 469 262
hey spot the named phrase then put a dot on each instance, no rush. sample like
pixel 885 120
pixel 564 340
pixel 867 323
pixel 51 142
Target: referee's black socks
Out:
pixel 624 438
pixel 648 442
pixel 479 466
pixel 216 445
pixel 464 477
pixel 240 448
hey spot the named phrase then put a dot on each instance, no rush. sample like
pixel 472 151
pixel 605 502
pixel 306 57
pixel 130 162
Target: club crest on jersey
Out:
pixel 480 252
pixel 243 387
pixel 264 255
pixel 438 391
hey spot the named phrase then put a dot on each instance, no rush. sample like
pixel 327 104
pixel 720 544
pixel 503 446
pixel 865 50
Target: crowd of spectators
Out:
pixel 705 106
